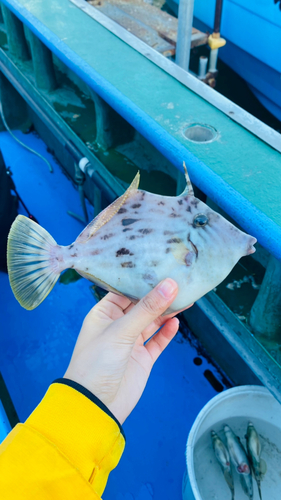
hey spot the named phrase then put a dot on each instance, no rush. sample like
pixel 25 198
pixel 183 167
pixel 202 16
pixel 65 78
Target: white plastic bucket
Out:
pixel 203 479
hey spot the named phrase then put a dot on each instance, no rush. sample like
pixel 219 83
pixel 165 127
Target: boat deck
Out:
pixel 35 347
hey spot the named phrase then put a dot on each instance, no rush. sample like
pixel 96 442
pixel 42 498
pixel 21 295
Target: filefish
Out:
pixel 223 459
pixel 240 461
pixel 254 453
pixel 132 245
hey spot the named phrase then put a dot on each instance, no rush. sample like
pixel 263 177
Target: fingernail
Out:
pixel 167 288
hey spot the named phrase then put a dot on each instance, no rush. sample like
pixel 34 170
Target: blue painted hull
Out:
pixel 253 37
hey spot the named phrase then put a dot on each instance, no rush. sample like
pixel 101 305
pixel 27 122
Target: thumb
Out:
pixel 149 308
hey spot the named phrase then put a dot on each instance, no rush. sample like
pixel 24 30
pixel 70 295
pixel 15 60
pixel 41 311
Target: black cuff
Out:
pixel 90 396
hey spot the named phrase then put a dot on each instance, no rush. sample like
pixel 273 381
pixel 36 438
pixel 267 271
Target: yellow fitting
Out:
pixel 215 41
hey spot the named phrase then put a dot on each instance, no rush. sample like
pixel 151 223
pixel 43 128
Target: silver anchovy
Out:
pixel 240 460
pixel 223 459
pixel 136 242
pixel 254 452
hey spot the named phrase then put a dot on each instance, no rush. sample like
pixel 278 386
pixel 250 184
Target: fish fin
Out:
pixel 263 467
pixel 106 286
pixel 229 479
pixel 99 282
pixel 108 212
pixel 31 274
pixel 259 488
pixel 188 189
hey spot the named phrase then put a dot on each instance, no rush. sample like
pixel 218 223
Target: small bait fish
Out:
pixel 240 461
pixel 254 449
pixel 223 459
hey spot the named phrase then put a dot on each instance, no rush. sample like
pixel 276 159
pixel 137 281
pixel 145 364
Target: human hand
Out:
pixel 111 357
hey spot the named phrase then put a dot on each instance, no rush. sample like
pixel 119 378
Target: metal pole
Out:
pixel 215 41
pixel 185 18
pixel 203 62
pixel 218 12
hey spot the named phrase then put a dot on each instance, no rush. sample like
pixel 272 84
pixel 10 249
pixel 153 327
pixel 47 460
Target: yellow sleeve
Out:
pixel 65 450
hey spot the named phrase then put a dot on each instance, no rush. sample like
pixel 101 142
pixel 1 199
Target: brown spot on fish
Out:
pixel 71 246
pixel 73 255
pixel 136 205
pixel 161 203
pixel 149 279
pixel 194 202
pixel 87 269
pixel 72 266
pixel 142 195
pixel 127 264
pixel 157 210
pixel 127 229
pixel 123 251
pixel 167 250
pixel 127 222
pixel 145 231
pixel 174 240
pixel 107 236
pixel 132 237
pixel 96 252
pixel 122 210
pixel 166 233
pixel 189 209
pixel 174 215
pixel 154 263
pixel 180 202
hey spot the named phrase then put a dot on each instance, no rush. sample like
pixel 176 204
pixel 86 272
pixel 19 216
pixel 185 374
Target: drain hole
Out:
pixel 197 361
pixel 213 381
pixel 200 133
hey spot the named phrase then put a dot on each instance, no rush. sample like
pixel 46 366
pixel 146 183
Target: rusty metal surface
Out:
pixel 147 22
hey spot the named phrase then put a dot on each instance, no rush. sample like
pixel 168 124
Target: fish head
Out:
pixel 215 245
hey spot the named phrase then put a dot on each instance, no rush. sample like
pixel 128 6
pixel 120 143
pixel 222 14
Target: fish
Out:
pixel 132 245
pixel 240 460
pixel 254 453
pixel 223 459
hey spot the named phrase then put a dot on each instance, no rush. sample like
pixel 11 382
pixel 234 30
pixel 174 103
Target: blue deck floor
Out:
pixel 35 346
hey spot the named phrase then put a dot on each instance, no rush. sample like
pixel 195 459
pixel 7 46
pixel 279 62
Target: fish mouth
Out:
pixel 251 249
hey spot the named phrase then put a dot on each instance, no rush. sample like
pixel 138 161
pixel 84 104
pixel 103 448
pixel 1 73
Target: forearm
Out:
pixel 66 448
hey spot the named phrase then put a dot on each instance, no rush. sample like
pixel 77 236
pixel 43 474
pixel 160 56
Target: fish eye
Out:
pixel 200 220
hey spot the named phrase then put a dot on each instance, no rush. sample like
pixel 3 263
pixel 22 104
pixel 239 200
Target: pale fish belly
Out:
pixel 134 252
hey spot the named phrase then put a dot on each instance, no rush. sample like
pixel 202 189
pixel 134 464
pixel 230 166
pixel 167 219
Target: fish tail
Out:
pixel 259 488
pixel 33 270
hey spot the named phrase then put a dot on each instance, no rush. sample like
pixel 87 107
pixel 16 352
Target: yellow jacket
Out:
pixel 65 450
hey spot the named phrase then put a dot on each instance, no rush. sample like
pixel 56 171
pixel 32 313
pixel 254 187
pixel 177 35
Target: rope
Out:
pixel 21 143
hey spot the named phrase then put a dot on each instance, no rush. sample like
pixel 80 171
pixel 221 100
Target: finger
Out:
pixel 171 315
pixel 118 300
pixel 160 341
pixel 157 323
pixel 111 307
pixel 148 309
